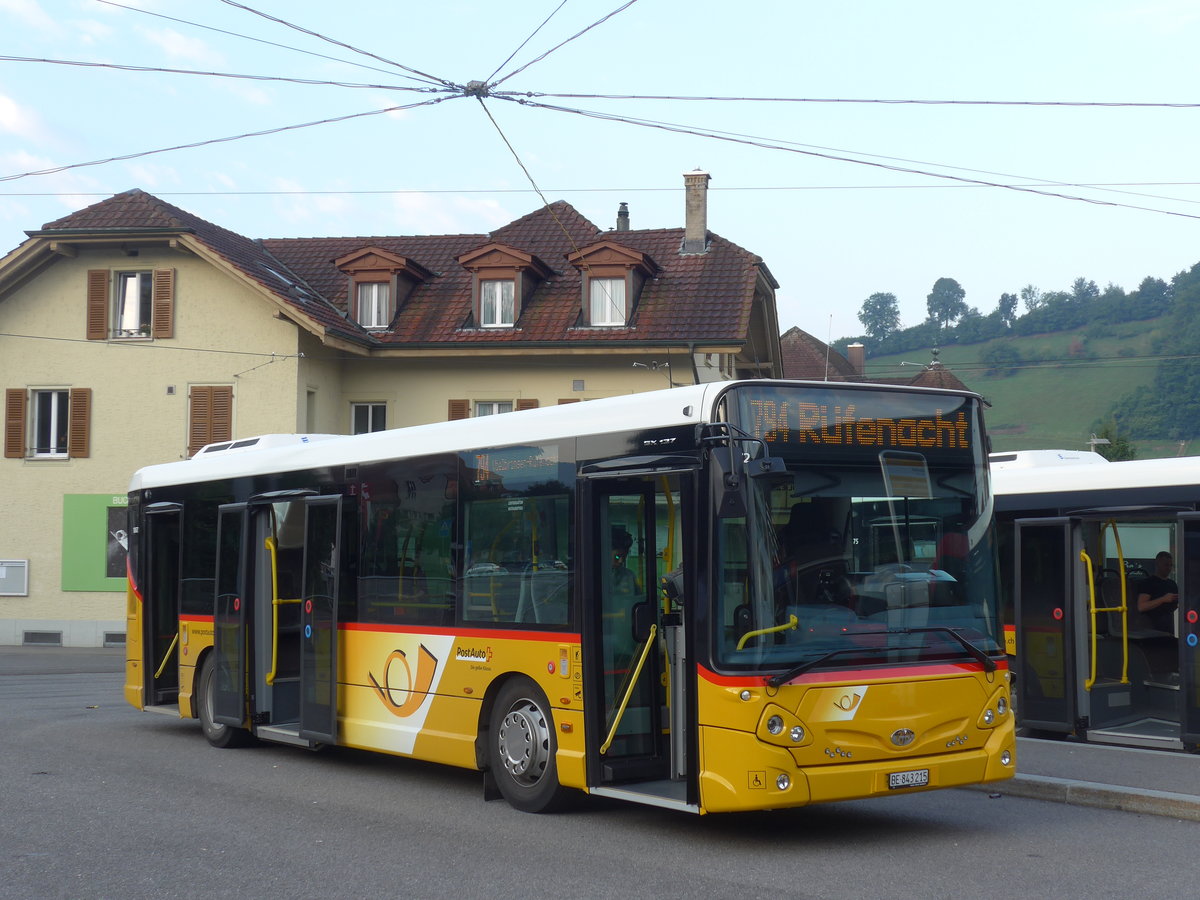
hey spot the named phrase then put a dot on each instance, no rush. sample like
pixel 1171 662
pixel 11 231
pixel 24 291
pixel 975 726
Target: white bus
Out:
pixel 1081 539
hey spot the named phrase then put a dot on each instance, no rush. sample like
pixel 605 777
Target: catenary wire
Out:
pixel 247 37
pixel 433 79
pixel 768 144
pixel 237 137
pixel 520 69
pixel 527 40
pixel 159 69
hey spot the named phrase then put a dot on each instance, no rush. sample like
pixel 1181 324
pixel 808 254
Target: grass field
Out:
pixel 1065 383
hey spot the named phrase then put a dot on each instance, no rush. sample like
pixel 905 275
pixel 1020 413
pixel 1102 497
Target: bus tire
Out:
pixel 522 747
pixel 216 733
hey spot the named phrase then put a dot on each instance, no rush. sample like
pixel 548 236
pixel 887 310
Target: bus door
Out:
pixel 318 620
pixel 161 603
pixel 231 602
pixel 1047 625
pixel 634 636
pixel 1187 573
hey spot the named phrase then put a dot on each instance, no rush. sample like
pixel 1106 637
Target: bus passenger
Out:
pixel 1158 595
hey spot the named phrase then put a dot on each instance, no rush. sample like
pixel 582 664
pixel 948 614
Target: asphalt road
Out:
pixel 100 800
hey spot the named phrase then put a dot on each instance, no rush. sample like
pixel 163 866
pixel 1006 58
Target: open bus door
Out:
pixel 231 603
pixel 318 620
pixel 1046 614
pixel 161 603
pixel 634 647
pixel 1187 570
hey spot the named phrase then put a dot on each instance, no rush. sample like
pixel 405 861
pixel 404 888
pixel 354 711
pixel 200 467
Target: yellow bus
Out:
pixel 734 596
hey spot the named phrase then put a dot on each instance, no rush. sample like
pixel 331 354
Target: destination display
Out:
pixel 868 420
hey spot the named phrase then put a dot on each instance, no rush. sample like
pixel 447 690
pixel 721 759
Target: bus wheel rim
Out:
pixel 524 742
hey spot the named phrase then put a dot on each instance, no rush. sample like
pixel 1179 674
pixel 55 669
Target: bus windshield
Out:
pixel 873 547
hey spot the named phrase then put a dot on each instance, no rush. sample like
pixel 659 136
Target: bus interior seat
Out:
pixel 544 595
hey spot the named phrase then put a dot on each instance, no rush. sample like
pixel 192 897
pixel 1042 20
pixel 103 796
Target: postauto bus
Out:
pixel 733 596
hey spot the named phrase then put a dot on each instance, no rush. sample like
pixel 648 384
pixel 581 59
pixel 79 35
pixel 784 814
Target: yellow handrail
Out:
pixel 1094 610
pixel 612 732
pixel 269 543
pixel 167 655
pixel 1123 609
pixel 791 625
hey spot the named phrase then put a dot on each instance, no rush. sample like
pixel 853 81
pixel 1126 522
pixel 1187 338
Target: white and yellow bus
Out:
pixel 733 596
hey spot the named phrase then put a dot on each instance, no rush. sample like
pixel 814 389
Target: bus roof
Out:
pixel 1085 484
pixel 265 454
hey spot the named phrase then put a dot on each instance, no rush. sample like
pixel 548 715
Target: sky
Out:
pixel 1003 187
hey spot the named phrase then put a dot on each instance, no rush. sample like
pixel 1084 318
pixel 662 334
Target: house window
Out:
pixel 368 417
pixel 51 416
pixel 607 301
pixel 492 407
pixel 210 416
pixel 373 308
pixel 50 423
pixel 134 312
pixel 496 308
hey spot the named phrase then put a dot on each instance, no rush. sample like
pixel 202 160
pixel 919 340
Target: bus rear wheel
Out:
pixel 522 747
pixel 216 733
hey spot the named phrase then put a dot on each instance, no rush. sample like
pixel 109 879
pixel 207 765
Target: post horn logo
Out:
pixel 412 693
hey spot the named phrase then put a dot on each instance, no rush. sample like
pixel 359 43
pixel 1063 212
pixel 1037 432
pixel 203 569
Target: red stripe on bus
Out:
pixel 889 674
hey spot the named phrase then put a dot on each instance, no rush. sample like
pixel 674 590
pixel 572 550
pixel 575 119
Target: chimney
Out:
pixel 695 228
pixel 623 217
pixel 856 356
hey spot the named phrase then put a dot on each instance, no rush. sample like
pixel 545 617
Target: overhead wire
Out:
pixel 169 71
pixel 246 37
pixel 520 69
pixel 770 144
pixel 236 137
pixel 527 40
pixel 433 79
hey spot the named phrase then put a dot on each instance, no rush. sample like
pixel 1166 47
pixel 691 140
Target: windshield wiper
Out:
pixel 989 664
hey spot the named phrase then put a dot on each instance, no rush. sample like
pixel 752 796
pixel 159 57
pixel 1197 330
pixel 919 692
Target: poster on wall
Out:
pixel 118 541
pixel 95 542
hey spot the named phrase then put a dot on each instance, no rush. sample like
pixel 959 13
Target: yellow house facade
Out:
pixel 133 333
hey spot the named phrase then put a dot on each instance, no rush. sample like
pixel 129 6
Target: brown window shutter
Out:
pixel 568 400
pixel 15 401
pixel 79 423
pixel 527 404
pixel 459 409
pixel 210 416
pixel 163 303
pixel 97 304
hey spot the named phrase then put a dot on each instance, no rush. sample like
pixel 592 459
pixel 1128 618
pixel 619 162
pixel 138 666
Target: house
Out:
pixel 135 333
pixel 808 358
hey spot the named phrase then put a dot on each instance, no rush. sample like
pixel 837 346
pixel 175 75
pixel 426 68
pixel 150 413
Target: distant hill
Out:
pixel 1049 391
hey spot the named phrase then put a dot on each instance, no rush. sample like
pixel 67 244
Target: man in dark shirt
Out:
pixel 1158 595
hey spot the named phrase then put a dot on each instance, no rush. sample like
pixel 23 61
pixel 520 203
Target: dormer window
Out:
pixel 496 303
pixel 607 301
pixel 503 281
pixel 612 276
pixel 372 306
pixel 380 282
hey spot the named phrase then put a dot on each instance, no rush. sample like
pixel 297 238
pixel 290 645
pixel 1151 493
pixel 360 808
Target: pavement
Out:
pixel 1130 779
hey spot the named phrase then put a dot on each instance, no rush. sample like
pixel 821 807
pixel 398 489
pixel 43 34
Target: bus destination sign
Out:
pixel 797 422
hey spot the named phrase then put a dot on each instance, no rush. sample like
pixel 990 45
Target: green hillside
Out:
pixel 1063 383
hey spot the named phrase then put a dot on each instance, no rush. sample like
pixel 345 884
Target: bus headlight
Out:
pixel 1002 705
pixel 783 782
pixel 989 717
pixel 797 733
pixel 775 725
pixel 782 728
pixel 1005 758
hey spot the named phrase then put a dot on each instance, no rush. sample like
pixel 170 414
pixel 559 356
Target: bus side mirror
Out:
pixel 727 486
pixel 766 467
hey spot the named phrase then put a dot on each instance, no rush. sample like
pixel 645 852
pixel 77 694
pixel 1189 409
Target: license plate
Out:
pixel 915 778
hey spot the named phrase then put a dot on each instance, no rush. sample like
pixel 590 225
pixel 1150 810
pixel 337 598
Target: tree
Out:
pixel 880 315
pixel 1118 447
pixel 1007 309
pixel 1083 290
pixel 947 302
pixel 1031 295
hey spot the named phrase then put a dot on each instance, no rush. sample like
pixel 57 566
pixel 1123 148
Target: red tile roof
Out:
pixel 706 298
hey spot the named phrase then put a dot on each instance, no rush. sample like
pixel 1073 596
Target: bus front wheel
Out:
pixel 522 747
pixel 216 733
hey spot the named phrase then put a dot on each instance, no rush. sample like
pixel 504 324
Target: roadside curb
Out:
pixel 1101 796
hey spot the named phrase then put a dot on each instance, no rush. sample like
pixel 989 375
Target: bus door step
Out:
pixel 633 769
